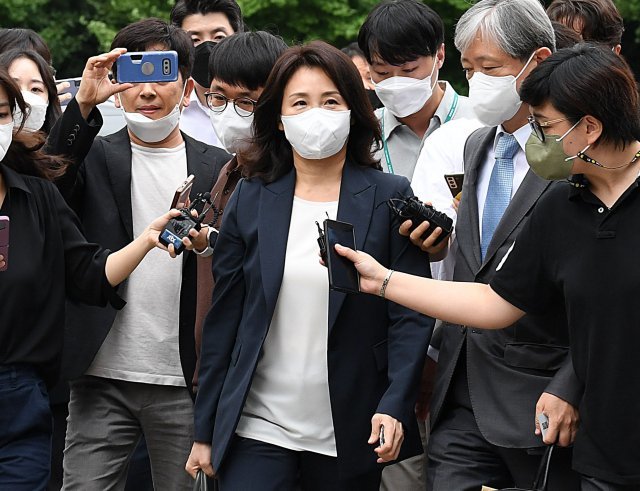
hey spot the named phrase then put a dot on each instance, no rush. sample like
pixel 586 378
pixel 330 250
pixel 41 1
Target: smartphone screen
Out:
pixel 4 241
pixel 454 181
pixel 343 275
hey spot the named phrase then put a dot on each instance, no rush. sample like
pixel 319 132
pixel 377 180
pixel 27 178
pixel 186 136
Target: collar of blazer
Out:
pixel 356 206
pixel 117 155
pixel 468 226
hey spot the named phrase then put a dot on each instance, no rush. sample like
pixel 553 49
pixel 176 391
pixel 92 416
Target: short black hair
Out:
pixel 184 8
pixel 588 79
pixel 24 39
pixel 597 21
pixel 53 109
pixel 352 50
pixel 270 155
pixel 401 30
pixel 146 33
pixel 565 36
pixel 246 59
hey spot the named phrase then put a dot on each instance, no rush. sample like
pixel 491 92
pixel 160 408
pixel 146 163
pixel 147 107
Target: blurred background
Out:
pixel 77 29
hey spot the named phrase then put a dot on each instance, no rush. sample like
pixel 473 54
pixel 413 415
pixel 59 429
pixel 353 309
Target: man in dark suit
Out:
pixel 132 371
pixel 490 385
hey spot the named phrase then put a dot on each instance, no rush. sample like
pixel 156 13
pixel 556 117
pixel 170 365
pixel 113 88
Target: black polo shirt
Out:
pixel 576 251
pixel 49 259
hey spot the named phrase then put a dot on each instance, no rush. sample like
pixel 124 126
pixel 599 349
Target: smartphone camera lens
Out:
pixel 166 66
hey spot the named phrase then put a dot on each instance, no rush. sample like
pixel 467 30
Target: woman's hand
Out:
pixel 60 88
pixel 152 233
pixel 199 458
pixel 372 274
pixel 393 437
pixel 2 263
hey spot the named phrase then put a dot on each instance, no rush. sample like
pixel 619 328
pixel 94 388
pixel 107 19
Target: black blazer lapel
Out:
pixel 526 196
pixel 274 216
pixel 199 166
pixel 357 200
pixel 468 216
pixel 117 154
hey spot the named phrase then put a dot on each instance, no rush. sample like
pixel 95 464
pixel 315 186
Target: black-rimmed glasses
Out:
pixel 217 102
pixel 538 127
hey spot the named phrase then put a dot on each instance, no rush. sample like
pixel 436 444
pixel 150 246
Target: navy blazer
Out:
pixel 376 348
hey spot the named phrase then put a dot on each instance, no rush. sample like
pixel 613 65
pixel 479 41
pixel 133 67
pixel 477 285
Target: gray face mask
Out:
pixel 547 158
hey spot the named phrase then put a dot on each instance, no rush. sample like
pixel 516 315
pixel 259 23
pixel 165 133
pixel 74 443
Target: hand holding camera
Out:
pixel 426 227
pixel 181 226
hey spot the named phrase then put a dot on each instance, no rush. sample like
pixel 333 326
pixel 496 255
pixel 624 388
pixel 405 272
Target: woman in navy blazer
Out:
pixel 258 424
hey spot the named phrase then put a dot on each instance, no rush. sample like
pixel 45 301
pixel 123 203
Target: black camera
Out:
pixel 416 211
pixel 180 226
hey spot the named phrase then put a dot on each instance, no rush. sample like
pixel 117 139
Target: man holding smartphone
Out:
pixel 131 371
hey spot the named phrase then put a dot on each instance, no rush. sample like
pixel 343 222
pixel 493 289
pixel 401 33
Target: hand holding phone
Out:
pixel 4 241
pixel 70 92
pixel 343 275
pixel 147 66
pixel 181 196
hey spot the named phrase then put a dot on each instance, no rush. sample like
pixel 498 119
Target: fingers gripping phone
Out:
pixel 181 197
pixel 74 85
pixel 343 275
pixel 4 241
pixel 147 66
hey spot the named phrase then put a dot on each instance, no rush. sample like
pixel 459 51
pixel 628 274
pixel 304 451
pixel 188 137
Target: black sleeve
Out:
pixel 85 277
pixel 522 277
pixel 72 136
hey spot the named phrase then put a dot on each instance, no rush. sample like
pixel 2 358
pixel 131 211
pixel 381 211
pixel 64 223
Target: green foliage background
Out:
pixel 77 29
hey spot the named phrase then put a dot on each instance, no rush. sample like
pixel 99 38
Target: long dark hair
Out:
pixel 25 154
pixel 270 156
pixel 53 110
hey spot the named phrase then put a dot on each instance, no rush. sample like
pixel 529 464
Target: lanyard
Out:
pixel 385 147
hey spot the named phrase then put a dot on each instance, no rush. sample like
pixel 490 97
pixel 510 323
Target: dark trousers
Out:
pixel 251 465
pixel 461 458
pixel 594 484
pixel 25 430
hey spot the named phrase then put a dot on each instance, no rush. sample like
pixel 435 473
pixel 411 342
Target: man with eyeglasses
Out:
pixel 491 385
pixel 241 64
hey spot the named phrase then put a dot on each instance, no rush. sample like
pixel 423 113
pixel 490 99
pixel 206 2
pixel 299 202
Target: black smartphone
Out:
pixel 74 85
pixel 343 275
pixel 454 181
pixel 4 241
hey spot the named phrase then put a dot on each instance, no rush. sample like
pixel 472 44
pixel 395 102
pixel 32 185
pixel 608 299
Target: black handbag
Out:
pixel 540 483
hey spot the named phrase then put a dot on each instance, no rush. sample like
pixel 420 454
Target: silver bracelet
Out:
pixel 383 288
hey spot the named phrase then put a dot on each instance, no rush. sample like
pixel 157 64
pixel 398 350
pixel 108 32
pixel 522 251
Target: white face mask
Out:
pixel 6 136
pixel 495 99
pixel 233 130
pixel 153 130
pixel 404 96
pixel 37 114
pixel 317 133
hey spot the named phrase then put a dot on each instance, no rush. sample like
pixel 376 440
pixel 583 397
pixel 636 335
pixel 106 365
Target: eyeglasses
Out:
pixel 218 102
pixel 537 127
